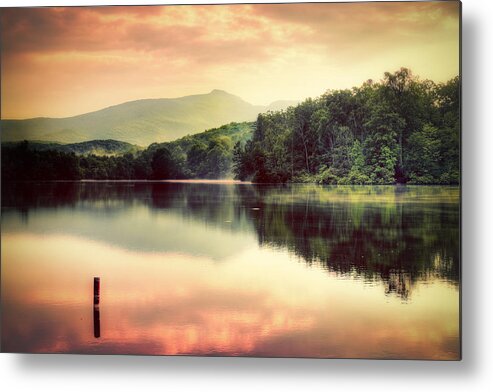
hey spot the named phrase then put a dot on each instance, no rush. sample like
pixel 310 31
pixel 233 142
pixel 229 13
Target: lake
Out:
pixel 231 269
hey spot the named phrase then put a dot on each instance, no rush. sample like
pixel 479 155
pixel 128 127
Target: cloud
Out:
pixel 355 25
pixel 218 28
pixel 39 30
pixel 214 46
pixel 204 34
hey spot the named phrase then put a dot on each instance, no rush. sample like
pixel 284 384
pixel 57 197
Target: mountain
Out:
pixel 93 147
pixel 140 122
pixel 280 105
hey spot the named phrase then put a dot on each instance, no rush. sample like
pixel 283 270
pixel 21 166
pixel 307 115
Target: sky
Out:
pixel 64 61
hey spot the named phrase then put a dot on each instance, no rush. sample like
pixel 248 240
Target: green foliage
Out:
pixel 167 164
pixel 209 154
pixel 205 155
pixel 398 130
pixel 23 163
pixel 241 161
pixel 101 148
pixel 424 157
pixel 326 175
pixel 357 174
pixel 93 147
pixel 381 146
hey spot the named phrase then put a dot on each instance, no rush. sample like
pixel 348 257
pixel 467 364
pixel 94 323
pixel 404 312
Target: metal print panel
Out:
pixel 269 180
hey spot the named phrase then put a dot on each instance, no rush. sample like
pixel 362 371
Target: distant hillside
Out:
pixel 93 147
pixel 229 133
pixel 205 155
pixel 140 122
pixel 280 105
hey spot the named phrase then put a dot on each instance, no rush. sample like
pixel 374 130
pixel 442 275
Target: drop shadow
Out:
pixel 371 369
pixel 470 189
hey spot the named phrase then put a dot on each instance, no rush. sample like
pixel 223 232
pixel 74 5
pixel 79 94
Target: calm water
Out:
pixel 231 269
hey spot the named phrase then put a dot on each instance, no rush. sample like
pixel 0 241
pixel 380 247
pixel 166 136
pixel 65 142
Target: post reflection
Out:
pixel 97 323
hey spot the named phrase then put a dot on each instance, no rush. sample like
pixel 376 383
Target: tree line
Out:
pixel 399 130
pixel 205 155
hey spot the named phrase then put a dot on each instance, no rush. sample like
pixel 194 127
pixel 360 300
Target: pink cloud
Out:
pixel 55 48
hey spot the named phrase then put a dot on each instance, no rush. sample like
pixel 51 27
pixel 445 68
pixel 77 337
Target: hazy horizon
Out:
pixel 156 98
pixel 64 61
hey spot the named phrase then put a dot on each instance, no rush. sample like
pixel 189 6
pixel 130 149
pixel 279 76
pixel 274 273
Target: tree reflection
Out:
pixel 397 235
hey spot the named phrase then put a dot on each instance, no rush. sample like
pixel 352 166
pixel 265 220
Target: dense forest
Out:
pixel 205 155
pixel 398 130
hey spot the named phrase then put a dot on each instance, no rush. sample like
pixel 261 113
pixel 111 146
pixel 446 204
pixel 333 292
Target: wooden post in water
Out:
pixel 96 291
pixel 95 308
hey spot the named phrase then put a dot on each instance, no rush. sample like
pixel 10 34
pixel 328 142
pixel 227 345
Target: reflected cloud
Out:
pixel 258 303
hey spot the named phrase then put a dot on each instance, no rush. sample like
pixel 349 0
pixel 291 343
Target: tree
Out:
pixel 166 165
pixel 381 148
pixel 424 156
pixel 304 139
pixel 196 160
pixel 218 158
pixel 408 98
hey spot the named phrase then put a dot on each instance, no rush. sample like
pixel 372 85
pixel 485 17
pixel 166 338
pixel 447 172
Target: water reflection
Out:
pixel 397 234
pixel 96 315
pixel 232 269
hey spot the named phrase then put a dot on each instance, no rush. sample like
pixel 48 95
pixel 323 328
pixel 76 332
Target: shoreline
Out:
pixel 226 182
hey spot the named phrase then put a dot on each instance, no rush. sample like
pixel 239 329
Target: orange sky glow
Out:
pixel 59 62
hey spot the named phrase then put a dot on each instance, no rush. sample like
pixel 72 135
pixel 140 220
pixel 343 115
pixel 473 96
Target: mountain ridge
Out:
pixel 93 147
pixel 142 121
